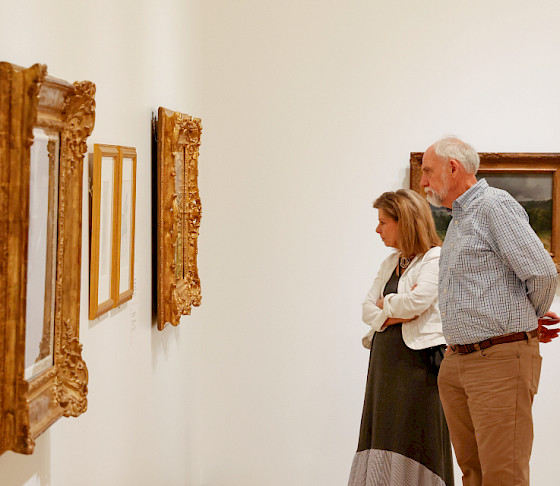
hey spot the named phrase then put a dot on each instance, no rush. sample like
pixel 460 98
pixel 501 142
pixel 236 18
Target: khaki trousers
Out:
pixel 487 398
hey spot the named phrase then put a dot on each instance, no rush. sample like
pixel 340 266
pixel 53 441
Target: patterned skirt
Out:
pixel 404 439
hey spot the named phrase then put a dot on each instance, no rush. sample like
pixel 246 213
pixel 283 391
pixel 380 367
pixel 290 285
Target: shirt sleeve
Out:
pixel 371 314
pixel 414 303
pixel 519 247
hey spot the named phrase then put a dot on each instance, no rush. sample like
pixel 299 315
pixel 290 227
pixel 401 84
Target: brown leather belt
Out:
pixel 508 338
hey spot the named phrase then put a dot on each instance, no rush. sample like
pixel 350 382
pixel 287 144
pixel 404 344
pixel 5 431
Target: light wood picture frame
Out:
pixel 49 120
pixel 533 179
pixel 104 234
pixel 178 215
pixel 123 275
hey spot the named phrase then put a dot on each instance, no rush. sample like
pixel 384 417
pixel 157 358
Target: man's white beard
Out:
pixel 434 199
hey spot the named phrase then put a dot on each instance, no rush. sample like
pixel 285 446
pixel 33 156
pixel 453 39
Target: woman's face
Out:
pixel 387 228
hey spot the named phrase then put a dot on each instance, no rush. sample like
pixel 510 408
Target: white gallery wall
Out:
pixel 310 110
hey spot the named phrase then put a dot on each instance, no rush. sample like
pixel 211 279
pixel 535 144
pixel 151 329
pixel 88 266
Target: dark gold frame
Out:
pixel 29 98
pixel 511 163
pixel 178 215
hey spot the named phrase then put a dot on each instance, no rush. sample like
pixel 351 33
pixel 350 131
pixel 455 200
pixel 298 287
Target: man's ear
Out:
pixel 455 165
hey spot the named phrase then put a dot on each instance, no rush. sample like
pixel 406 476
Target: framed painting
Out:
pixel 123 285
pixel 533 179
pixel 104 234
pixel 178 215
pixel 44 125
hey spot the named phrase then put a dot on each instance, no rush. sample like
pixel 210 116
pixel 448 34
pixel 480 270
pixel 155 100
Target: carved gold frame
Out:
pixel 178 215
pixel 511 163
pixel 29 98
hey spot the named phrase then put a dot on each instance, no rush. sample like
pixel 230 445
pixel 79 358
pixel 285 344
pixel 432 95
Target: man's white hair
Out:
pixel 453 148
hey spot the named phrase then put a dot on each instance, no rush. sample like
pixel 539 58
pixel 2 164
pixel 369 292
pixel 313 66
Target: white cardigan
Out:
pixel 422 332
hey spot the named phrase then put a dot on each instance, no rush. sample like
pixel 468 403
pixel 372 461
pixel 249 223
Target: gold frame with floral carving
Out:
pixel 30 99
pixel 492 163
pixel 178 215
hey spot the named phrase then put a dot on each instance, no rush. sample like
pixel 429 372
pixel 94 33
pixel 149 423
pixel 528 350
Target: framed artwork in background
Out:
pixel 104 235
pixel 177 142
pixel 126 210
pixel 533 179
pixel 113 215
pixel 44 125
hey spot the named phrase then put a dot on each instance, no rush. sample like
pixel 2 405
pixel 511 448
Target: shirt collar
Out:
pixel 472 193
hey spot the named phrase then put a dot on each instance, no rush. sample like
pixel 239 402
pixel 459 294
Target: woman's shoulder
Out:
pixel 390 261
pixel 432 255
pixel 433 252
pixel 391 258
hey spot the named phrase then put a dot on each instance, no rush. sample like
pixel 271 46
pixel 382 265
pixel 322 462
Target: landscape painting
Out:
pixel 533 191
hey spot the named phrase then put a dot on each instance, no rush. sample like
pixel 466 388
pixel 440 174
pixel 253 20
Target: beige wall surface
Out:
pixel 310 109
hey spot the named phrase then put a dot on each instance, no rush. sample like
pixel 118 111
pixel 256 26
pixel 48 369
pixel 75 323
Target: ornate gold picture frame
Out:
pixel 178 215
pixel 44 123
pixel 533 179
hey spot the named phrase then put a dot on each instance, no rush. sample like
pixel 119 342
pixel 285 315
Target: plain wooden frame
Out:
pixel 511 163
pixel 97 308
pixel 122 295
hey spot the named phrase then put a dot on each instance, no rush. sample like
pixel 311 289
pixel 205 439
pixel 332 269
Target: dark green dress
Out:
pixel 404 439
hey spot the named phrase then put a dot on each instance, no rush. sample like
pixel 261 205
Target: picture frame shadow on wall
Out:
pixel 533 179
pixel 44 124
pixel 177 142
pixel 103 234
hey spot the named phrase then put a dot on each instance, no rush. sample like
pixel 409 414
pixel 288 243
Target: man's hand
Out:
pixel 545 334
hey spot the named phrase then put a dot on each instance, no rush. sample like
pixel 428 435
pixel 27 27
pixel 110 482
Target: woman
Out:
pixel 403 435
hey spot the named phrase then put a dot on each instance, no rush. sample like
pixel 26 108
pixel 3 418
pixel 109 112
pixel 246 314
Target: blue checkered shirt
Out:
pixel 495 275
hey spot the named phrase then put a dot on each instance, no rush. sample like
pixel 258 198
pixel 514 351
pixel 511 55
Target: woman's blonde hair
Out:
pixel 416 230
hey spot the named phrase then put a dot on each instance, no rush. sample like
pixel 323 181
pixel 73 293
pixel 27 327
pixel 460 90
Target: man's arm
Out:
pixel 520 247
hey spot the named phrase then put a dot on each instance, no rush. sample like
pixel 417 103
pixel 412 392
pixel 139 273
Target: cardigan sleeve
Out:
pixel 412 304
pixel 371 314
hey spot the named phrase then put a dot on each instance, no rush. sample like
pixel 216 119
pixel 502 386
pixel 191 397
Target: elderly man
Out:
pixel 495 281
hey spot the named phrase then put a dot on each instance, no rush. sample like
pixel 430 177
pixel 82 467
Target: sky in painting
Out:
pixel 532 187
